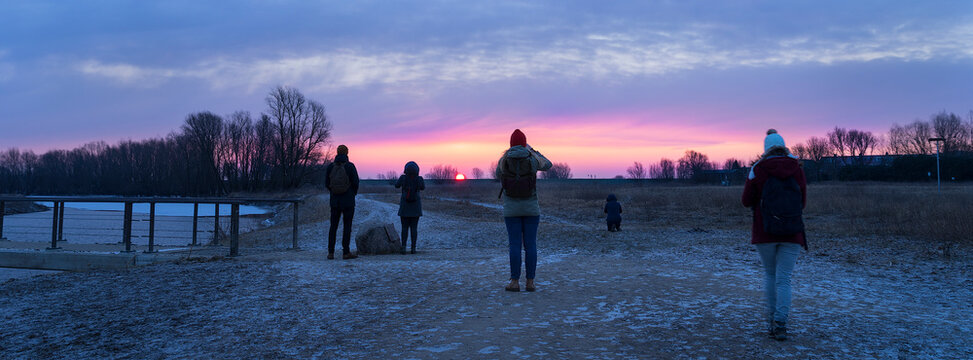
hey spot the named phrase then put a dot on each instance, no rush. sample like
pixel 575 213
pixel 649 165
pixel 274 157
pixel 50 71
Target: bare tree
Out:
pixel 692 164
pixel 636 171
pixel 263 156
pixel 838 140
pixel 391 176
pixel 860 143
pixel 732 164
pixel 969 128
pixel 817 148
pixel 442 173
pixel 477 173
pixel 301 133
pixel 558 171
pixel 204 131
pixel 238 146
pixel 898 140
pixel 950 127
pixel 494 170
pixel 910 139
pixel 799 150
pixel 665 170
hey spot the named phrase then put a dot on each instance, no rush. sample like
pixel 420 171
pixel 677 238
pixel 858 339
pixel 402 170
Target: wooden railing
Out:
pixel 57 222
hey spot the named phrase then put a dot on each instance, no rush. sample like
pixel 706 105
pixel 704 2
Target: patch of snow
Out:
pixel 440 348
pixel 489 350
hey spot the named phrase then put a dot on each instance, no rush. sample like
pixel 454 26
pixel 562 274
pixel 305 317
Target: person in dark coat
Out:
pixel 342 203
pixel 777 253
pixel 614 210
pixel 410 204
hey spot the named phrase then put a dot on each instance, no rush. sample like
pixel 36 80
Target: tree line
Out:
pixel 282 148
pixel 849 146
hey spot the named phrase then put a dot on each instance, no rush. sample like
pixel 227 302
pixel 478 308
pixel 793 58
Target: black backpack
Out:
pixel 781 207
pixel 410 188
pixel 517 177
pixel 338 179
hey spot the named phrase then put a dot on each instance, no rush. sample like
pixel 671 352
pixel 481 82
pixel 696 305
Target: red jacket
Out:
pixel 780 167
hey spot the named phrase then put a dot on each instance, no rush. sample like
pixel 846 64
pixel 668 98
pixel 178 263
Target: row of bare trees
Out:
pixel 209 155
pixel 913 138
pixel 691 165
pixel 909 139
pixel 855 144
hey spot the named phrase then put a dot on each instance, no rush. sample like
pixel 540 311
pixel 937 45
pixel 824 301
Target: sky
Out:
pixel 594 84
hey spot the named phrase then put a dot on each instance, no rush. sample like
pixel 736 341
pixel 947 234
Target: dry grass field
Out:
pixel 913 216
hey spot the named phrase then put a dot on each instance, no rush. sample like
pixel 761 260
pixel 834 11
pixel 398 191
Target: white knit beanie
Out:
pixel 773 139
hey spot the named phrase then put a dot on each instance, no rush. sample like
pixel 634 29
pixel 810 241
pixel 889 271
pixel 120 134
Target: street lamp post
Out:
pixel 939 182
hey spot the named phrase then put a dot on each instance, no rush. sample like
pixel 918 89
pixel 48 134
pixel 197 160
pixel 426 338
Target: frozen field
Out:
pixel 641 293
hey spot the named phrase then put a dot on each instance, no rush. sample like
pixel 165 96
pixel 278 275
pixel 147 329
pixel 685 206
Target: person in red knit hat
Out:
pixel 517 171
pixel 518 138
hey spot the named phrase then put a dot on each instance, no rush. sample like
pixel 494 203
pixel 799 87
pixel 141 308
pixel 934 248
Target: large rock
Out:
pixel 378 239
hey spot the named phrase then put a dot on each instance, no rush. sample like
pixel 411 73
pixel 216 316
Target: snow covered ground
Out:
pixel 641 293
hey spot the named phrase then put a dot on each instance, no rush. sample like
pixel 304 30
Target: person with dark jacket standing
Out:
pixel 777 174
pixel 341 179
pixel 614 211
pixel 410 204
pixel 517 171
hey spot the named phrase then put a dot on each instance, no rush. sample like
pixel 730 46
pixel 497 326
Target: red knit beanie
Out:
pixel 518 138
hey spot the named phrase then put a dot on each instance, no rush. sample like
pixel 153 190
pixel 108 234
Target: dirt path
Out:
pixel 650 299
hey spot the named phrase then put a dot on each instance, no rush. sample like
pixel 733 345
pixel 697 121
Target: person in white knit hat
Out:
pixel 774 142
pixel 776 190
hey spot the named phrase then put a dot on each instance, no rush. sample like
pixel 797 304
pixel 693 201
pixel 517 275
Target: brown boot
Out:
pixel 330 256
pixel 530 285
pixel 514 286
pixel 349 256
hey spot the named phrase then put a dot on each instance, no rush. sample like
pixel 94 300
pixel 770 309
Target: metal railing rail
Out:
pixel 57 221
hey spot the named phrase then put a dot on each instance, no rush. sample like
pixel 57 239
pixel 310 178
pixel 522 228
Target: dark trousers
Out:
pixel 410 223
pixel 614 225
pixel 336 214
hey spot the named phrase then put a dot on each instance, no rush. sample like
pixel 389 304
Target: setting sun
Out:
pixel 460 177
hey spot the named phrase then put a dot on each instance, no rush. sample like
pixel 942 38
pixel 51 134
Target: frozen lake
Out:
pixel 165 209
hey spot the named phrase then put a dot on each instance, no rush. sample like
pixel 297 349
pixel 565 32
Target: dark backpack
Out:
pixel 338 182
pixel 410 187
pixel 517 177
pixel 781 207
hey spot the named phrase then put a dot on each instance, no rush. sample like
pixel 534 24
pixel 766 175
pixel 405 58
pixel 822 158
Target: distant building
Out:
pixel 867 160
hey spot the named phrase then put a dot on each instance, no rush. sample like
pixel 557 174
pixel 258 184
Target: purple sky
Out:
pixel 597 86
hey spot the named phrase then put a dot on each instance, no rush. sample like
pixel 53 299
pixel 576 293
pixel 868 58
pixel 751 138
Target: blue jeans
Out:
pixel 778 260
pixel 522 234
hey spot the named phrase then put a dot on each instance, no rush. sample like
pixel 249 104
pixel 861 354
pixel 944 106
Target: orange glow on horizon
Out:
pixel 460 177
pixel 603 147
